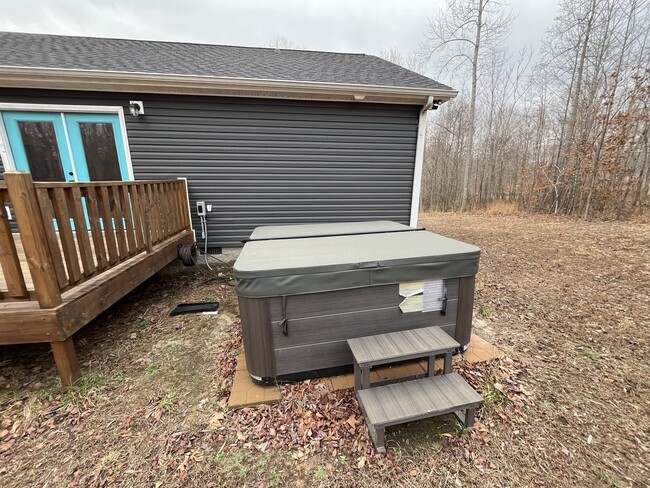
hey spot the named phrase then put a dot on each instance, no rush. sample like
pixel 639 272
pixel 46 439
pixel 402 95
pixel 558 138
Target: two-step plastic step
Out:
pixel 411 400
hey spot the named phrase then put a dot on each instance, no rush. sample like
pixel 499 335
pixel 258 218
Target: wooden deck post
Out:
pixel 32 234
pixel 66 361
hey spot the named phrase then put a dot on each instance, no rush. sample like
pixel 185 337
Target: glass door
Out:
pixel 37 141
pixel 67 146
pixel 97 147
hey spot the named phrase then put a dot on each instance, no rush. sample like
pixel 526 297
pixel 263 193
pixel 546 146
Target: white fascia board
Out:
pixel 120 81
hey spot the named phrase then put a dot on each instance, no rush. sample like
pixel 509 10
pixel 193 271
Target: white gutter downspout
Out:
pixel 419 162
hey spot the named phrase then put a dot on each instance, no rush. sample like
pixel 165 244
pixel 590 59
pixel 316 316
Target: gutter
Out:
pixel 419 161
pixel 119 81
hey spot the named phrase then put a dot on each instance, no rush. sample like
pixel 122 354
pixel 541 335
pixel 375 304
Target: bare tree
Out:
pixel 283 43
pixel 567 135
pixel 409 60
pixel 462 31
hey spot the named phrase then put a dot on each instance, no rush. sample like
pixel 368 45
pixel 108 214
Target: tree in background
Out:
pixel 282 43
pixel 463 31
pixel 567 134
pixel 410 60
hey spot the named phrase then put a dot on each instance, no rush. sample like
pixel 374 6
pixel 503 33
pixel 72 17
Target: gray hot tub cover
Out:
pixel 314 230
pixel 267 268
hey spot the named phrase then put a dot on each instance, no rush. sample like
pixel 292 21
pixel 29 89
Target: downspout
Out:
pixel 419 162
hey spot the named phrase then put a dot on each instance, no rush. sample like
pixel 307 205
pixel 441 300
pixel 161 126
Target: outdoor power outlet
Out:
pixel 200 208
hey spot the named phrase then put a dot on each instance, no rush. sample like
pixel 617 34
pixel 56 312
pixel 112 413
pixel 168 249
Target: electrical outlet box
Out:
pixel 200 208
pixel 208 207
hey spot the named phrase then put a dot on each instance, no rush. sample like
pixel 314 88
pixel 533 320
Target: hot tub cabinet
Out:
pixel 304 290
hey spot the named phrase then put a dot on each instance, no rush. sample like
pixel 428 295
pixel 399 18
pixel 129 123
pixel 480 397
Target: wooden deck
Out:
pixel 55 278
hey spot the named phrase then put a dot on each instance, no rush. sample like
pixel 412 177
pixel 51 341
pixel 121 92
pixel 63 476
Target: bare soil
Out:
pixel 568 301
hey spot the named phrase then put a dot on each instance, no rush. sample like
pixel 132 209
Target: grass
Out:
pixel 320 474
pixel 590 354
pixel 143 413
pixel 145 323
pixel 152 368
pixel 80 395
pixel 502 208
pixel 492 396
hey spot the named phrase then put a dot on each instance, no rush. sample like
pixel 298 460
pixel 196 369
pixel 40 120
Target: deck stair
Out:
pixel 415 399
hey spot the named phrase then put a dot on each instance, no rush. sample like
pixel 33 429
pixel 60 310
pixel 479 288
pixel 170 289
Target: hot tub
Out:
pixel 304 290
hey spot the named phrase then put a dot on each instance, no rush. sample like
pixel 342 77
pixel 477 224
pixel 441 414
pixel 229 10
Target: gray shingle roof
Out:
pixel 156 57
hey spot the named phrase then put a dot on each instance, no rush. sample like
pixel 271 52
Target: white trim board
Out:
pixel 9 164
pixel 419 162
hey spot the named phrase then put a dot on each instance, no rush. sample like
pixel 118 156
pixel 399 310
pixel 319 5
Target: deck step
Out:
pixel 423 398
pixel 376 350
pixel 401 346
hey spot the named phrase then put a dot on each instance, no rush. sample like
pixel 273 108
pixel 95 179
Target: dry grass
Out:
pixel 568 301
pixel 502 207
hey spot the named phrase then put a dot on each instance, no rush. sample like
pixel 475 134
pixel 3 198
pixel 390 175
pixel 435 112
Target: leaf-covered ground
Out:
pixel 568 301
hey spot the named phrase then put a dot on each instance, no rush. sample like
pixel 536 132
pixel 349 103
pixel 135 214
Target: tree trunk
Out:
pixel 472 105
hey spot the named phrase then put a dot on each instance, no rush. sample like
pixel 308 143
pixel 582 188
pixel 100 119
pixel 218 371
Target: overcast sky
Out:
pixel 331 25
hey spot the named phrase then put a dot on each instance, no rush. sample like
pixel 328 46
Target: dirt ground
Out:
pixel 568 301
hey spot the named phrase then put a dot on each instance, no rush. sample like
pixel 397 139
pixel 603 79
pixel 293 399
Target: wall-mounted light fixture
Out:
pixel 136 108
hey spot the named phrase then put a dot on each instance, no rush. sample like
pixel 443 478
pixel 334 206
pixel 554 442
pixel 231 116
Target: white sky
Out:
pixel 331 25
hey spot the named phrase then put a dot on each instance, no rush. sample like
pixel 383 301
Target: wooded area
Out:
pixel 563 130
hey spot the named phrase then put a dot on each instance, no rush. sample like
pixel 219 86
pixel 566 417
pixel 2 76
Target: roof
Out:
pixel 164 59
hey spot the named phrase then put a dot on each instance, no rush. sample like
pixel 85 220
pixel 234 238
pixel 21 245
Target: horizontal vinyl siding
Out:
pixel 265 162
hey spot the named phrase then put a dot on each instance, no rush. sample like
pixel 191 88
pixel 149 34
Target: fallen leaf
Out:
pixel 7 445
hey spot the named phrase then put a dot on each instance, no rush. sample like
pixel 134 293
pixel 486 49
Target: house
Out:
pixel 266 136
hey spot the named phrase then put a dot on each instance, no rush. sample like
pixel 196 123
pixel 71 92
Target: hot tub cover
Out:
pixel 267 268
pixel 315 230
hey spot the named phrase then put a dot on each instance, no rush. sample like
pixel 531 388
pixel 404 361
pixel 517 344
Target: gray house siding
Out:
pixel 262 162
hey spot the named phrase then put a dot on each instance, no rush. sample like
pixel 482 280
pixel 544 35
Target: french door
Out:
pixel 61 146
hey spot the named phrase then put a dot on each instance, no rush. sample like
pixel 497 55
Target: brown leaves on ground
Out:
pixel 309 418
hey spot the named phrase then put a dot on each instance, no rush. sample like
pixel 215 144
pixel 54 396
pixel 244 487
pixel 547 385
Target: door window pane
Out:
pixel 100 150
pixel 42 151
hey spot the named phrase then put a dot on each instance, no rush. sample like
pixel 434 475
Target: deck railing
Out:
pixel 72 232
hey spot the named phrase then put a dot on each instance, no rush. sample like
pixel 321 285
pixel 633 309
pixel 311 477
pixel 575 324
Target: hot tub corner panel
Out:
pixel 256 334
pixel 466 288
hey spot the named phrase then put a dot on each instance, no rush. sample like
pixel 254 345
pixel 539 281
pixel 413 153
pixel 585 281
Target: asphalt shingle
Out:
pixel 156 57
